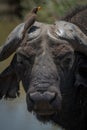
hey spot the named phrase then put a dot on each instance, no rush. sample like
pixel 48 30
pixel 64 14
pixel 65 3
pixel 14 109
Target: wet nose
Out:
pixel 40 97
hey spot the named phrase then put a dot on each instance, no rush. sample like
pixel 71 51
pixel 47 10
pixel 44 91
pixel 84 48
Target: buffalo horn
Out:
pixel 73 34
pixel 12 42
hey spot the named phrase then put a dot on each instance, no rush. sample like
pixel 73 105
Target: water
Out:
pixel 14 116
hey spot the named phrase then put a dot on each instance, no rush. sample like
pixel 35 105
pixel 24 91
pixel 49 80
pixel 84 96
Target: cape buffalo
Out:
pixel 51 62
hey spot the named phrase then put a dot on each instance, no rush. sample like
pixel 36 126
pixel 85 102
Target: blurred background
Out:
pixel 14 114
pixel 13 12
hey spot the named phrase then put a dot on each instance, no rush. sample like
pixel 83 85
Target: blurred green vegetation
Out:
pixel 5 28
pixel 51 10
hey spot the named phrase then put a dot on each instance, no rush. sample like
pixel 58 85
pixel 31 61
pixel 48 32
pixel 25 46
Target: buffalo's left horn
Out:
pixel 12 43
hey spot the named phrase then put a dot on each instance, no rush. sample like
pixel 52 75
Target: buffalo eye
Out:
pixel 65 61
pixel 25 60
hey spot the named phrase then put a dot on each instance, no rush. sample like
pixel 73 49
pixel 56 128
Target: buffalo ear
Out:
pixel 81 73
pixel 81 82
pixel 9 84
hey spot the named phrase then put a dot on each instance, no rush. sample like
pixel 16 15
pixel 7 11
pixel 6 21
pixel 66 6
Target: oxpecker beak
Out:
pixel 39 8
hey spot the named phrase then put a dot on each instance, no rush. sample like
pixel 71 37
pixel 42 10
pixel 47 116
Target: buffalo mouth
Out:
pixel 43 109
pixel 44 103
pixel 44 112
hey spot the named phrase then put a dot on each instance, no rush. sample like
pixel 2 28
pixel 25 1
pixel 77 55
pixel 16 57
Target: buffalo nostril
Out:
pixel 50 96
pixel 38 97
pixel 34 96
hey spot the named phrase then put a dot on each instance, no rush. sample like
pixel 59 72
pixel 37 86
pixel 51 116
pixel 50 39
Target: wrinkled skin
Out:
pixel 52 64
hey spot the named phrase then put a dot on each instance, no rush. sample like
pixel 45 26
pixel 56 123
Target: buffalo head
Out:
pixel 51 63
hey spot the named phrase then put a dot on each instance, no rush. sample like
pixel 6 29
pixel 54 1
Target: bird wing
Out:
pixel 29 22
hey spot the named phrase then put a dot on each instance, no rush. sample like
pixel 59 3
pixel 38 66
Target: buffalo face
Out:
pixel 44 86
pixel 51 63
pixel 43 82
pixel 47 67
